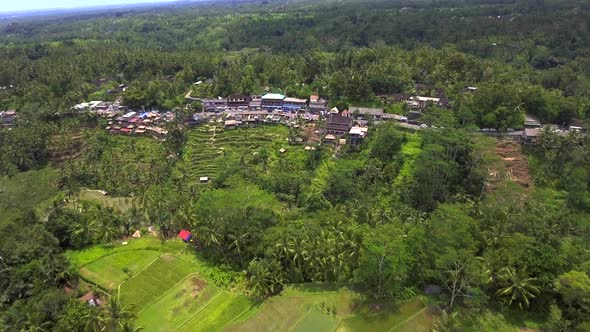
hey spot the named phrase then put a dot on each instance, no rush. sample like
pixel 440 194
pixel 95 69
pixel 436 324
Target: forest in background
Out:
pixel 403 211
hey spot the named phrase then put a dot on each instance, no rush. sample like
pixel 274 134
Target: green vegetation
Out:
pixel 26 191
pixel 410 316
pixel 179 304
pixel 325 238
pixel 110 271
pixel 163 273
pixel 210 148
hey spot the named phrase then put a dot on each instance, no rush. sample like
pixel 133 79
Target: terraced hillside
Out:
pixel 208 147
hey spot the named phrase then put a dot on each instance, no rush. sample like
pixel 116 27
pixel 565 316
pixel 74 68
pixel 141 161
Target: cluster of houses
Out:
pixel 533 129
pixel 144 123
pixel 123 121
pixel 7 118
pixel 102 108
pixel 268 102
pixel 246 118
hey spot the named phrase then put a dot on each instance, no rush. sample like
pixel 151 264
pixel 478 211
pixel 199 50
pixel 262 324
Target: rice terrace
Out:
pixel 169 289
pixel 295 166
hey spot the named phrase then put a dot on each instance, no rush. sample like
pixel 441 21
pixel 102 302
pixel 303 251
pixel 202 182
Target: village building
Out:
pixel 231 124
pixel 317 104
pixel 401 97
pixel 127 116
pixel 91 299
pixel 530 136
pixel 396 117
pixel 157 132
pixel 329 138
pixel 294 104
pixel 338 124
pixel 366 112
pixel 421 102
pixel 576 126
pixel 7 118
pixel 531 121
pixel 357 134
pixel 213 105
pixel 272 101
pixel 255 103
pixel 238 100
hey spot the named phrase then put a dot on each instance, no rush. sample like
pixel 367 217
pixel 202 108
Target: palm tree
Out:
pixel 446 322
pixel 208 235
pixel 518 287
pixel 131 220
pixel 185 215
pixel 297 250
pixel 94 321
pixel 117 316
pixel 259 278
pixel 129 327
pixel 106 231
pixel 237 244
pixel 144 200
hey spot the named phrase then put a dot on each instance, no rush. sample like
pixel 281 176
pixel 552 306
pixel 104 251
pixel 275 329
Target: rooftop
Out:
pixel 531 132
pixel 273 96
pixel 358 130
pixel 294 100
pixel 367 111
pixel 421 98
pixel 339 119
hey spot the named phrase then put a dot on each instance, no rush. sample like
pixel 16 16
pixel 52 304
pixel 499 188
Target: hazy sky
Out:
pixel 14 5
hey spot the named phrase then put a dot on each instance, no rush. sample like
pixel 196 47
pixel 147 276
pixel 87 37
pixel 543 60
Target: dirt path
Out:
pixel 515 164
pixel 398 325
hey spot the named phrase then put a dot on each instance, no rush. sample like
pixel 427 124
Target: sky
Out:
pixel 12 5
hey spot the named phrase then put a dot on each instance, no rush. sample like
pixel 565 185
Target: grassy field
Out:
pixel 178 305
pixel 120 203
pixel 163 283
pixel 27 190
pixel 92 254
pixel 169 290
pixel 221 311
pixel 112 270
pixel 316 320
pixel 154 280
pixel 208 147
pixel 409 151
pixel 309 308
pixel 409 316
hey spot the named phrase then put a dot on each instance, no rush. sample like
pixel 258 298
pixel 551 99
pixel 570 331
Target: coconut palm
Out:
pixel 208 235
pixel 297 250
pixel 238 242
pixel 129 327
pixel 105 228
pixel 116 316
pixel 518 287
pixel 260 278
pixel 94 321
pixel 446 322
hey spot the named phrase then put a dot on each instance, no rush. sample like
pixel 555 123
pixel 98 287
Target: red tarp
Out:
pixel 184 235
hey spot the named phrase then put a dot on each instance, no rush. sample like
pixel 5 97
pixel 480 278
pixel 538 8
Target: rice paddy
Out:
pixel 208 148
pixel 166 287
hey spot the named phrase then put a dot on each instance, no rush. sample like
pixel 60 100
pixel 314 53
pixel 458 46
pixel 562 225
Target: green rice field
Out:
pixel 208 147
pixel 166 287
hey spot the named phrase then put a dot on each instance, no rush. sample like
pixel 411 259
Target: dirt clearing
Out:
pixel 515 162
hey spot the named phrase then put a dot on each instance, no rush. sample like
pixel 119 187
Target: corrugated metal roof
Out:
pixel 273 96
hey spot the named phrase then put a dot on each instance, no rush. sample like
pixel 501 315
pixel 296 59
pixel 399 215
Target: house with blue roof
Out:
pixel 272 101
